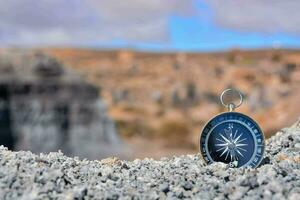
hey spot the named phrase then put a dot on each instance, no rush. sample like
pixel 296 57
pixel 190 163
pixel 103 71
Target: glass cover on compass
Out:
pixel 232 138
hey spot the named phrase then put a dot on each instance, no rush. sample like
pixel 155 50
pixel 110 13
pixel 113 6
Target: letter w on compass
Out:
pixel 230 144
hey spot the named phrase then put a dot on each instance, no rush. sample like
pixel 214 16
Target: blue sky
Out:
pixel 193 34
pixel 175 25
pixel 201 33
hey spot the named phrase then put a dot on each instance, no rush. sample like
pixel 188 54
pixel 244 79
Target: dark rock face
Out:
pixel 44 107
pixel 24 175
pixel 47 67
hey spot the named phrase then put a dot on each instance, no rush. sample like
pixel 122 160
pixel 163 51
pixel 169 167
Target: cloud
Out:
pixel 266 16
pixel 47 22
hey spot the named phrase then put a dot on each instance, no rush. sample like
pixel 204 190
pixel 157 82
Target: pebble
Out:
pixel 297 145
pixel 164 187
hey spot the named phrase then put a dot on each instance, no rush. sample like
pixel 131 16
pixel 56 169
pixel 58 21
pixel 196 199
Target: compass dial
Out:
pixel 232 138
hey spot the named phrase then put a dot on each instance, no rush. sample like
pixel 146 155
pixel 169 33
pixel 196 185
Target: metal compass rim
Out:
pixel 232 112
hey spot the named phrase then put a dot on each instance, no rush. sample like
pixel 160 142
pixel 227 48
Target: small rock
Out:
pixel 294 196
pixel 187 185
pixel 164 187
pixel 297 145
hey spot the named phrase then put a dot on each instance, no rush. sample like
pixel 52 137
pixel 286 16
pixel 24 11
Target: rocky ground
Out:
pixel 24 175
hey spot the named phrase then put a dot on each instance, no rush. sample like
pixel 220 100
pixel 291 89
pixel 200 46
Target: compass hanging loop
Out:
pixel 231 105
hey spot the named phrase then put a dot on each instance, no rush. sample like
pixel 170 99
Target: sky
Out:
pixel 156 25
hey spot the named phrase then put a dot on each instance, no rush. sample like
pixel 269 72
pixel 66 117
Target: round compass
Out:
pixel 232 138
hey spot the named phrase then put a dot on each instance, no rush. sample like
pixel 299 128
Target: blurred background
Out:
pixel 140 78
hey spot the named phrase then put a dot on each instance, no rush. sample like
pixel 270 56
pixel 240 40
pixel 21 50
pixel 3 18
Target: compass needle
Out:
pixel 240 148
pixel 241 145
pixel 224 152
pixel 226 155
pixel 241 140
pixel 239 153
pixel 235 133
pixel 220 149
pixel 225 138
pixel 220 140
pixel 238 137
pixel 218 145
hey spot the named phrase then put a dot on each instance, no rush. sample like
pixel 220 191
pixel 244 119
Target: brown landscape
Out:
pixel 160 101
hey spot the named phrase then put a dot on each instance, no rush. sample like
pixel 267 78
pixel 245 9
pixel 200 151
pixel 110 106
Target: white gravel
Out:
pixel 24 175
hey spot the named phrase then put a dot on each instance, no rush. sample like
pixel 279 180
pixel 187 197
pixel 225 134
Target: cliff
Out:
pixel 45 107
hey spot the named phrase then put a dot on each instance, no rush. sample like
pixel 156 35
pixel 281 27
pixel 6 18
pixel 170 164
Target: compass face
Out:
pixel 232 138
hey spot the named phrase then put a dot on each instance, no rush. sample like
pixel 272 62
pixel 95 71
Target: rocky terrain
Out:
pixel 24 175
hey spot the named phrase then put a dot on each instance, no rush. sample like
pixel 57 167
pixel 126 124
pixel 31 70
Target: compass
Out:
pixel 232 138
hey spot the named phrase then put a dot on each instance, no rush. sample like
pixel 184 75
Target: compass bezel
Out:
pixel 254 154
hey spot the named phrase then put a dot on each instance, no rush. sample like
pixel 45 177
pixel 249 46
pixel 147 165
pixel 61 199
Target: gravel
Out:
pixel 24 175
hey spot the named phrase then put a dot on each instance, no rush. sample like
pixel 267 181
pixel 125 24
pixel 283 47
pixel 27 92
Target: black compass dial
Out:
pixel 232 138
